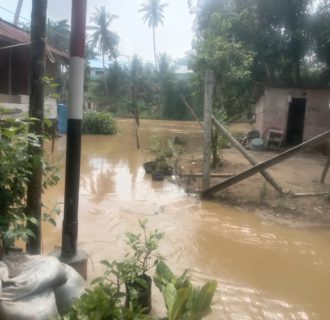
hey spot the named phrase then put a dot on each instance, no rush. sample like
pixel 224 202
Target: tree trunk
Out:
pixel 36 110
pixel 208 99
pixel 154 42
pixel 104 75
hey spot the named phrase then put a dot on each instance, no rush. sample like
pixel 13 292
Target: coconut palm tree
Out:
pixel 154 15
pixel 102 38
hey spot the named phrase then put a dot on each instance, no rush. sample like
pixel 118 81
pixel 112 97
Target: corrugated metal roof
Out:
pixel 10 32
pixel 13 34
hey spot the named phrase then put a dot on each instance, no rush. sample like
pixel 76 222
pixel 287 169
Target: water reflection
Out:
pixel 264 270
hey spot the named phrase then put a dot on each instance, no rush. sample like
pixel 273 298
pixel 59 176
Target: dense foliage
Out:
pixel 15 172
pixel 140 87
pixel 98 123
pixel 283 42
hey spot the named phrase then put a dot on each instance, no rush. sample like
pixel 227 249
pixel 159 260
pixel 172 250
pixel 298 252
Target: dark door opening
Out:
pixel 296 120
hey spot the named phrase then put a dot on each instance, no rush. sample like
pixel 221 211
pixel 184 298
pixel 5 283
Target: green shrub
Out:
pixel 98 123
pixel 15 172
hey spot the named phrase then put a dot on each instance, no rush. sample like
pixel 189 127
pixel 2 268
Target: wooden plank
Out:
pixel 190 109
pixel 266 164
pixel 309 194
pixel 247 155
pixel 200 174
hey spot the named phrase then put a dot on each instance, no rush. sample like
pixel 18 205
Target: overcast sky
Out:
pixel 174 37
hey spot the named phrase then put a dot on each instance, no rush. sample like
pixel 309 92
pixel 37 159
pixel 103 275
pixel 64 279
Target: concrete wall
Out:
pixel 20 104
pixel 272 110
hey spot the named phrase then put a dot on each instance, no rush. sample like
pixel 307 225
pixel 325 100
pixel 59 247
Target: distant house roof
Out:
pixel 12 34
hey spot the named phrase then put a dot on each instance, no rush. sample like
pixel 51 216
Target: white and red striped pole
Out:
pixel 73 150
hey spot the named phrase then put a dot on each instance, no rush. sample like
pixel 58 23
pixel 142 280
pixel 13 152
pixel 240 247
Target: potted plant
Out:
pixel 132 270
pixel 160 167
pixel 142 258
pixel 105 300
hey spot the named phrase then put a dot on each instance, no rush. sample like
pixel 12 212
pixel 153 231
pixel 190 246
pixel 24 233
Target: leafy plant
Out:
pixel 98 123
pixel 15 172
pixel 131 272
pixel 143 247
pixel 102 302
pixel 183 300
pixel 164 151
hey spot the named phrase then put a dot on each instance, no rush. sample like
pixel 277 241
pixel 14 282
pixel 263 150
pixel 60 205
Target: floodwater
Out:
pixel 263 270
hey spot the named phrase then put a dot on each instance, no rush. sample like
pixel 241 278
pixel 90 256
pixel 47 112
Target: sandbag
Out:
pixel 72 289
pixel 37 275
pixel 4 274
pixel 35 307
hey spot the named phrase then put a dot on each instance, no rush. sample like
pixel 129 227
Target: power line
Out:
pixel 13 13
pixel 29 20
pixel 99 60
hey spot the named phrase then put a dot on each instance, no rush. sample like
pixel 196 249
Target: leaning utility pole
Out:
pixel 36 111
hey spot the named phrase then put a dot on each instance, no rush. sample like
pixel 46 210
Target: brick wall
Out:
pixel 272 110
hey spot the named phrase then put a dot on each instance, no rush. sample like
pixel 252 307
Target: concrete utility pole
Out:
pixel 208 100
pixel 73 149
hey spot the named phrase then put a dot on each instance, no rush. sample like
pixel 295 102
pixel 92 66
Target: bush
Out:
pixel 98 123
pixel 15 172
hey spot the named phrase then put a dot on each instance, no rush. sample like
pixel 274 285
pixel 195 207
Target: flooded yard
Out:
pixel 264 270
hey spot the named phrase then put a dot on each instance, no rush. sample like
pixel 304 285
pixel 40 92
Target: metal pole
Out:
pixel 76 88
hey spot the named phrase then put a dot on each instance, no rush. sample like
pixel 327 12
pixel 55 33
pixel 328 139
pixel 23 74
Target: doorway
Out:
pixel 296 120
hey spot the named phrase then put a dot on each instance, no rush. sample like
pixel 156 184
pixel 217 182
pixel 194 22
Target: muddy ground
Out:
pixel 299 174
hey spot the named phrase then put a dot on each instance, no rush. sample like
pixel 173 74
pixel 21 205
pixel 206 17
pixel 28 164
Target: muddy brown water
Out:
pixel 264 270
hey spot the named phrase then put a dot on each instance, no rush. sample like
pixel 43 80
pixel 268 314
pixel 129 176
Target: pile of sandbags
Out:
pixel 37 287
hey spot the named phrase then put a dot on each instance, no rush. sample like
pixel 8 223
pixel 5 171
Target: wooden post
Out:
pixel 326 167
pixel 241 149
pixel 136 117
pixel 208 100
pixel 266 164
pixel 9 70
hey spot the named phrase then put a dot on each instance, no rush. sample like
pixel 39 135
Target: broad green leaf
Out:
pixel 180 303
pixel 170 295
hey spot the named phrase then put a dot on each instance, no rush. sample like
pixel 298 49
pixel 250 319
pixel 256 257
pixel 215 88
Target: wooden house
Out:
pixel 14 68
